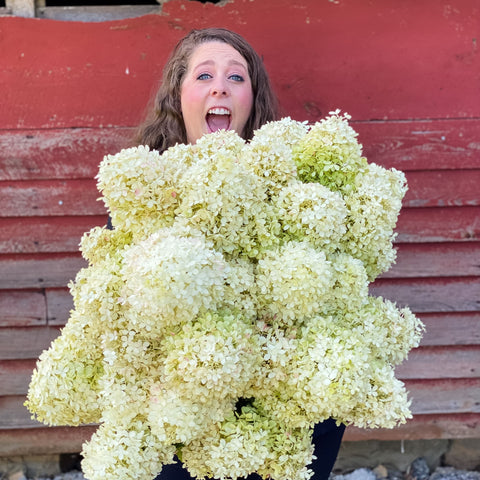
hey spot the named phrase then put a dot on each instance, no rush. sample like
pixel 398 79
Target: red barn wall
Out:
pixel 407 72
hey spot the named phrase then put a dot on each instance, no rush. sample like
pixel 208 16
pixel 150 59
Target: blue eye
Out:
pixel 204 76
pixel 236 78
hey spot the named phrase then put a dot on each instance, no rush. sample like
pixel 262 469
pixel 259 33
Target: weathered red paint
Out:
pixel 439 224
pixel 51 198
pixel 381 59
pixel 76 153
pixel 407 72
pixel 431 295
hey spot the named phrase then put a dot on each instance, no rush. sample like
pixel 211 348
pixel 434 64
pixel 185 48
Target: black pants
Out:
pixel 326 437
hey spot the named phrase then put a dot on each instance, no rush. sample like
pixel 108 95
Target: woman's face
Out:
pixel 216 92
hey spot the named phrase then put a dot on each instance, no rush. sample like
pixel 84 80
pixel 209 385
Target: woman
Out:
pixel 168 125
pixel 215 80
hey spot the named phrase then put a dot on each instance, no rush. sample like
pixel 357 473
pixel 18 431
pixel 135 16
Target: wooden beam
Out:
pixel 15 376
pixel 379 85
pixel 421 144
pixel 46 271
pixel 97 13
pixel 441 363
pixel 73 153
pixel 21 8
pixel 59 304
pixel 51 198
pixel 44 440
pixel 429 225
pixel 70 153
pixel 432 295
pixel 56 440
pixel 45 234
pixel 81 197
pixel 22 308
pixel 457 328
pixel 422 427
pixel 443 259
pixel 25 342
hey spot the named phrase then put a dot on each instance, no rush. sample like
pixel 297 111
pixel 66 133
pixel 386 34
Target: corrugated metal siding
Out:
pixel 408 73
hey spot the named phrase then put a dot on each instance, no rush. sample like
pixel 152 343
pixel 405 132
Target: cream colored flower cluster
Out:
pixel 228 311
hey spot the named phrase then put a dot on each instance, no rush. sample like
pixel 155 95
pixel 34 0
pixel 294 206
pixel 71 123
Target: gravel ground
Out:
pixel 418 470
pixel 441 473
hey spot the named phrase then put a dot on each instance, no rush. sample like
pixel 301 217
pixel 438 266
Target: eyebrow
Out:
pixel 230 62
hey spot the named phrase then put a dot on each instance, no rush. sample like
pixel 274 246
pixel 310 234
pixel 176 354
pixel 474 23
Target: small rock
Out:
pixel 380 472
pixel 449 473
pixel 359 474
pixel 418 470
pixel 72 475
pixel 464 453
pixel 17 475
pixel 395 475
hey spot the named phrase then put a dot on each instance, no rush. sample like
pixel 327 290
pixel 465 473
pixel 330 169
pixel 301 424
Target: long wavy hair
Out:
pixel 165 126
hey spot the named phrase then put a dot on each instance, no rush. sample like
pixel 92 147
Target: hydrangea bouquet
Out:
pixel 228 311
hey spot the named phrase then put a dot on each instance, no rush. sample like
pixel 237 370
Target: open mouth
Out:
pixel 218 119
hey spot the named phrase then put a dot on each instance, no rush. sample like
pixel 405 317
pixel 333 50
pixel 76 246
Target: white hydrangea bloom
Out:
pixel 285 130
pixel 225 201
pixel 139 186
pixel 293 282
pixel 177 418
pixel 215 354
pixel 373 207
pixel 228 310
pixel 171 279
pixel 125 451
pixel 64 388
pixel 312 211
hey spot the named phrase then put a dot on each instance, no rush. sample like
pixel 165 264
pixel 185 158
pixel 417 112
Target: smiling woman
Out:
pixel 214 79
pixel 216 92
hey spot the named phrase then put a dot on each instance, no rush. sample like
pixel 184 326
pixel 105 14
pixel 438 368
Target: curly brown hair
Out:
pixel 165 126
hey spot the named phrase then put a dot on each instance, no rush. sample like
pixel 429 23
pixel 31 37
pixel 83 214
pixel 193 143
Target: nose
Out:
pixel 219 88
